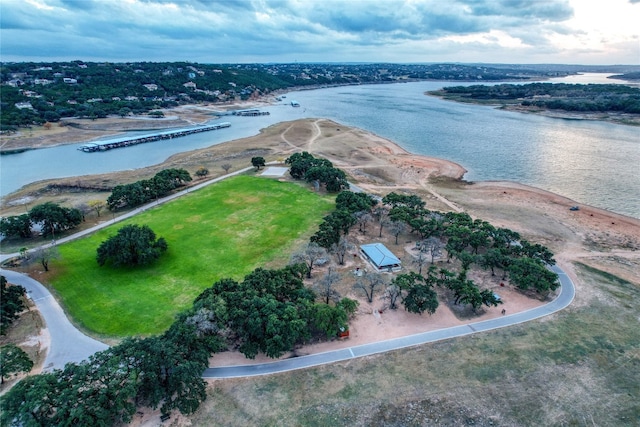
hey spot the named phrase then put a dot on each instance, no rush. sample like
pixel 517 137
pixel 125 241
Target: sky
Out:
pixel 593 32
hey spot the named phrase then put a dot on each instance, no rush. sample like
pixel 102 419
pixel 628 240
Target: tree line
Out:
pixel 554 96
pixel 146 190
pixel 57 90
pixel 54 219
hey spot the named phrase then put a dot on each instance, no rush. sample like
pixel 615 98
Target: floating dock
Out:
pixel 251 113
pixel 92 147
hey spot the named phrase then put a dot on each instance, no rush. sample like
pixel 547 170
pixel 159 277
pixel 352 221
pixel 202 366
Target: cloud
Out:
pixel 278 31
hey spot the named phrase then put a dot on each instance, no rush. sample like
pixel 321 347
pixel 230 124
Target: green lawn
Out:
pixel 224 230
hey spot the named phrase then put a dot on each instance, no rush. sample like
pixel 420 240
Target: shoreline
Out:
pixel 607 117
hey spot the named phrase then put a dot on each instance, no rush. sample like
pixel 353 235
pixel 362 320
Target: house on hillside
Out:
pixel 380 257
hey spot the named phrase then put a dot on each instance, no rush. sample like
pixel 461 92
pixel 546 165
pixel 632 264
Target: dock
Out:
pixel 92 147
pixel 250 113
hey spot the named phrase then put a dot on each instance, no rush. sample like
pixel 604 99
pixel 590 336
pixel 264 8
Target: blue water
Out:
pixel 591 162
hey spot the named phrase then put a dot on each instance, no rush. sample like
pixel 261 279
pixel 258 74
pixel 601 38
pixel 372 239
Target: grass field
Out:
pixel 578 367
pixel 224 230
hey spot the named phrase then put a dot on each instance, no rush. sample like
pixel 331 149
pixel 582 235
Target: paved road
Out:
pixel 567 293
pixel 68 344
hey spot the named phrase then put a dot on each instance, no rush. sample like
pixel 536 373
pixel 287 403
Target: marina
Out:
pixel 251 113
pixel 92 147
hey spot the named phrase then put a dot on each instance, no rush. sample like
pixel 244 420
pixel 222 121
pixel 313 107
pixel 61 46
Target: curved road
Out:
pixel 567 293
pixel 68 344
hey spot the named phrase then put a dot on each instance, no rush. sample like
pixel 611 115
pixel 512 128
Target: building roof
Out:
pixel 380 255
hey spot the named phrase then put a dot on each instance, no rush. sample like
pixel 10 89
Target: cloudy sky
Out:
pixel 243 31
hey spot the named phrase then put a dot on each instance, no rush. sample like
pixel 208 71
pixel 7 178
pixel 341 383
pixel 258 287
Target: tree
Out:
pixel 11 303
pixel 420 260
pixel 97 206
pixel 54 218
pixel 396 228
pixel 309 256
pixel 363 218
pixel 392 293
pixel 419 296
pixel 395 199
pixel 133 245
pixel 433 246
pixel 258 162
pixel 202 172
pixel 465 291
pixel 329 319
pixel 334 179
pixel 44 255
pixel 368 283
pixel 381 214
pixel 341 248
pixel 13 360
pixel 354 202
pixel 226 167
pixel 16 226
pixel 528 273
pixel 300 163
pixel 324 287
pixel 489 298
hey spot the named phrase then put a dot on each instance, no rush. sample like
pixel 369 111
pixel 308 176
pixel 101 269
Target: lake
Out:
pixel 591 162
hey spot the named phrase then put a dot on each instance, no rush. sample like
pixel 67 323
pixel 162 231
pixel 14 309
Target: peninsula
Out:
pixel 598 249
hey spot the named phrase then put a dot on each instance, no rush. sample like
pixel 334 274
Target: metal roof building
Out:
pixel 381 257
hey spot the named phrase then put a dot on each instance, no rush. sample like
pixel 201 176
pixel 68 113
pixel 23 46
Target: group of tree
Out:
pixel 162 371
pixel 469 241
pixel 269 312
pixel 474 242
pixel 555 96
pixel 303 166
pixel 11 303
pixel 350 209
pixel 13 360
pixel 51 217
pixel 147 190
pixel 417 292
